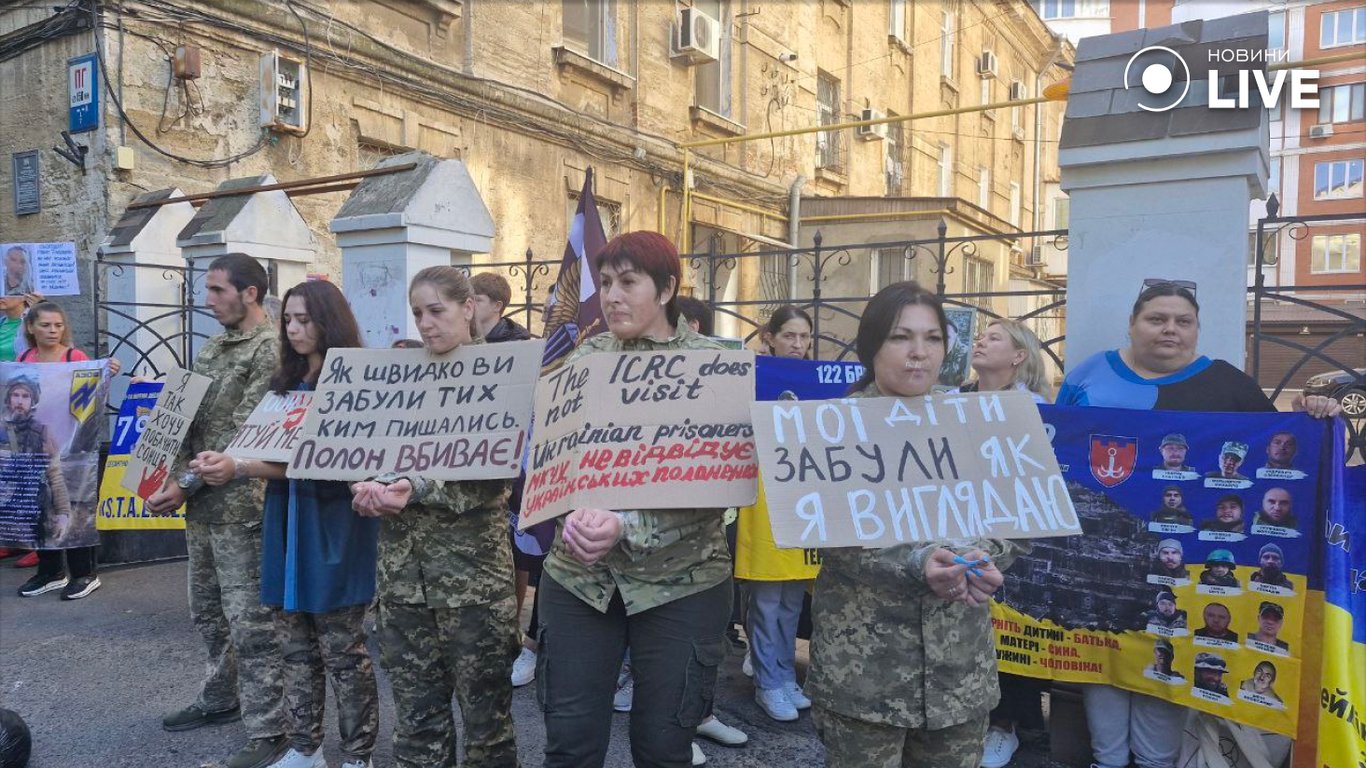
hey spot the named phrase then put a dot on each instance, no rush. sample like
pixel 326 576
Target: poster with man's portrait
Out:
pixel 958 356
pixel 49 452
pixel 45 268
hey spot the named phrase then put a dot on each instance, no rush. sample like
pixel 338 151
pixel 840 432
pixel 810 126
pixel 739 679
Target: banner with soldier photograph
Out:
pixel 1192 579
pixel 49 453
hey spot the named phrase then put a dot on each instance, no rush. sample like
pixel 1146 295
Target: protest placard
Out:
pixel 650 430
pixel 168 424
pixel 876 472
pixel 45 268
pixel 272 431
pixel 120 509
pixel 463 415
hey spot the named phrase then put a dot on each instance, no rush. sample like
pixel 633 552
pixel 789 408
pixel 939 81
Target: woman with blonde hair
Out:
pixel 1009 356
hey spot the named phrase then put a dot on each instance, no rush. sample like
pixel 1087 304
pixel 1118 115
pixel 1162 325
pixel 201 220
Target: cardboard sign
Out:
pixel 459 416
pixel 271 432
pixel 651 430
pixel 168 424
pixel 877 472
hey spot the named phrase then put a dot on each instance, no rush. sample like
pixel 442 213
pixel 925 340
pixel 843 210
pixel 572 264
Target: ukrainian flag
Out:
pixel 1342 694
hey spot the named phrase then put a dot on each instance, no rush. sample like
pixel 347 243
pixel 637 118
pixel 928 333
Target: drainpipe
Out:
pixel 794 223
pixel 1053 58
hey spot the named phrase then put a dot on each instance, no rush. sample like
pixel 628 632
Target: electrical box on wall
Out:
pixel 284 103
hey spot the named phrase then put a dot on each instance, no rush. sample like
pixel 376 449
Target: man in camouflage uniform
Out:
pixel 223 524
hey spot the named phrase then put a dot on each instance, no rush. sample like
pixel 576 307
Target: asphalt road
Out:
pixel 93 678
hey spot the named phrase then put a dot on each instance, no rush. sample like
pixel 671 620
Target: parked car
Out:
pixel 1347 388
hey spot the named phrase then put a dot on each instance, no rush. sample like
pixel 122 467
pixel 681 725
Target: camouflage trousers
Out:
pixel 241 633
pixel 319 646
pixel 434 653
pixel 852 743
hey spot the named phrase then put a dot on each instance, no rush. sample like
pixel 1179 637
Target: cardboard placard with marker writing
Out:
pixel 155 453
pixel 272 431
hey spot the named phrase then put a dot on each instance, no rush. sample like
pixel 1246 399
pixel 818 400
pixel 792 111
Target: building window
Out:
pixel 590 28
pixel 890 265
pixel 1275 30
pixel 1066 9
pixel 945 170
pixel 1273 177
pixel 1338 179
pixel 1015 203
pixel 978 278
pixel 948 32
pixel 896 152
pixel 1343 28
pixel 1336 253
pixel 896 20
pixel 828 105
pixel 609 212
pixel 984 188
pixel 1017 113
pixel 1342 103
pixel 713 77
pixel 1062 212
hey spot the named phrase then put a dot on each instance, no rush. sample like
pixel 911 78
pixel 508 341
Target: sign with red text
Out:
pixel 458 416
pixel 272 431
pixel 876 472
pixel 167 425
pixel 643 430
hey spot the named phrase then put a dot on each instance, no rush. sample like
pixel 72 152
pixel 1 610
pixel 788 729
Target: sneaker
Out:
pixel 41 582
pixel 748 666
pixel 717 731
pixel 259 753
pixel 626 692
pixel 524 668
pixel 774 703
pixel 81 587
pixel 697 757
pixel 296 759
pixel 999 748
pixel 733 635
pixel 797 696
pixel 27 561
pixel 358 764
pixel 192 717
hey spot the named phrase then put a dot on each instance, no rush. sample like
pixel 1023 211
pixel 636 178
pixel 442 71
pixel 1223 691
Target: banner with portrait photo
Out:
pixel 1192 581
pixel 120 509
pixel 49 452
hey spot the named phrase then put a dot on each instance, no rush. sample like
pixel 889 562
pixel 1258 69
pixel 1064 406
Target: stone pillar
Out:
pixel 1160 194
pixel 394 226
pixel 264 225
pixel 144 284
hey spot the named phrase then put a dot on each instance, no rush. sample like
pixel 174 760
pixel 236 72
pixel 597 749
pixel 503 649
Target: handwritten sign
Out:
pixel 167 425
pixel 46 268
pixel 653 430
pixel 458 416
pixel 271 432
pixel 877 472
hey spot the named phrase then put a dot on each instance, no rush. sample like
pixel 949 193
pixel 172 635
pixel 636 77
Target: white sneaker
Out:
pixel 722 734
pixel 999 748
pixel 524 668
pixel 626 692
pixel 748 666
pixel 797 696
pixel 774 703
pixel 358 764
pixel 697 757
pixel 296 759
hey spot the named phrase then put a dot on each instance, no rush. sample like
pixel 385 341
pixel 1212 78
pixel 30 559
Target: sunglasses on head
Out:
pixel 1158 282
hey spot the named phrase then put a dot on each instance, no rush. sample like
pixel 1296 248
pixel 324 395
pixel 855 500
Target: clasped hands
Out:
pixel 589 534
pixel 374 499
pixel 970 578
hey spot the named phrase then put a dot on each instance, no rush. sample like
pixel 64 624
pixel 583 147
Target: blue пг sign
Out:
pixel 82 79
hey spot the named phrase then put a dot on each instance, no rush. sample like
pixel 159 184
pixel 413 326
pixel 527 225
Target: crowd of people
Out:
pixel 902 659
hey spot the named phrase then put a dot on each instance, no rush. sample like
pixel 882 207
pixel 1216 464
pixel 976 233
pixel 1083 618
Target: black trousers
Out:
pixel 1021 701
pixel 675 651
pixel 81 561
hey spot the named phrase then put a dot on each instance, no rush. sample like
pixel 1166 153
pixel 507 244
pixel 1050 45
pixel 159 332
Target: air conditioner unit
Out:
pixel 872 132
pixel 987 65
pixel 1017 91
pixel 1321 131
pixel 284 102
pixel 1035 257
pixel 699 37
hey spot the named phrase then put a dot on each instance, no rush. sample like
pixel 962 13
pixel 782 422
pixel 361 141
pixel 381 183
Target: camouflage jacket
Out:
pixel 240 364
pixel 449 547
pixel 663 554
pixel 885 649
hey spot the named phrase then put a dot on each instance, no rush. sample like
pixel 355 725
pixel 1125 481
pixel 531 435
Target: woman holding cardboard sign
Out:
pixel 317 555
pixel 903 661
pixel 447 612
pixel 660 578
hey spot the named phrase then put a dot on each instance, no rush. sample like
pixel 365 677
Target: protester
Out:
pixel 660 577
pixel 776 579
pixel 903 661
pixel 48 338
pixel 492 294
pixel 447 623
pixel 406 344
pixel 318 556
pixel 1009 356
pixel 223 524
pixel 1160 369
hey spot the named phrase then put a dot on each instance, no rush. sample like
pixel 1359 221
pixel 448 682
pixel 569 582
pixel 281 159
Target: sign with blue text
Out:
pixel 82 80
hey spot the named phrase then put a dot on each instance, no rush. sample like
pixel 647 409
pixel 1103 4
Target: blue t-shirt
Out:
pixel 1105 380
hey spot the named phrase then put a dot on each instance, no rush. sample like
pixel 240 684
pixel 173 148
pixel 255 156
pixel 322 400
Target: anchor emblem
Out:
pixel 1113 459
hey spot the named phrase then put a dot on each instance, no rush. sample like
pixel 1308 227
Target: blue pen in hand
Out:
pixel 971 564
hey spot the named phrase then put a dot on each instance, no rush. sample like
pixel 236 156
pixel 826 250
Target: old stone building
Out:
pixel 530 93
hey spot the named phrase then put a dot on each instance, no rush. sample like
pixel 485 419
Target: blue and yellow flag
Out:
pixel 1342 694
